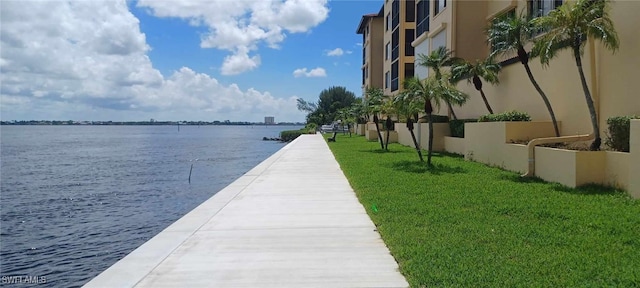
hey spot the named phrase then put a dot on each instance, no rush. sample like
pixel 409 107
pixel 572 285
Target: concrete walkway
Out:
pixel 292 221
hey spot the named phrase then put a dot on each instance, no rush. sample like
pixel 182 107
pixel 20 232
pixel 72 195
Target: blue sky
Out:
pixel 145 59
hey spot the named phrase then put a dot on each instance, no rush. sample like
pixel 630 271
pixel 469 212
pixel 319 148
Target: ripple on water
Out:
pixel 76 199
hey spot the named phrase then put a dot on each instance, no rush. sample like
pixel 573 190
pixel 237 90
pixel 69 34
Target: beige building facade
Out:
pixel 399 32
pixel 459 25
pixel 371 28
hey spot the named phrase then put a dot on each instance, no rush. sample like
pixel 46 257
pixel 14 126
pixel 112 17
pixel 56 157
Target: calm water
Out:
pixel 76 199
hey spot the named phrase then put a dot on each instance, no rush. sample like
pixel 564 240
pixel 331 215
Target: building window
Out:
pixel 539 8
pixel 394 76
pixel 439 5
pixel 387 80
pixel 410 11
pixel 388 22
pixel 363 77
pixel 395 14
pixel 409 36
pixel 395 43
pixel 422 14
pixel 364 55
pixel 387 50
pixel 509 15
pixel 408 70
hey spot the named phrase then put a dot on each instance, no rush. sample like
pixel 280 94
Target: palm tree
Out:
pixel 429 93
pixel 374 100
pixel 408 104
pixel 486 69
pixel 387 108
pixel 510 33
pixel 436 60
pixel 569 27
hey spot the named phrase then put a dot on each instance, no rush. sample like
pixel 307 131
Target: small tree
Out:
pixel 509 34
pixel 432 92
pixel 408 105
pixel 486 69
pixel 388 109
pixel 437 60
pixel 374 100
pixel 569 26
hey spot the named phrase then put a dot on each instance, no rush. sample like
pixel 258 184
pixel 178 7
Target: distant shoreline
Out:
pixel 143 123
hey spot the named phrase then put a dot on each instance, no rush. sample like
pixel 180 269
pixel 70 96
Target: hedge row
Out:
pixel 505 116
pixel 617 136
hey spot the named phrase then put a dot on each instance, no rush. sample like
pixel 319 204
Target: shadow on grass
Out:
pixel 589 189
pixel 422 167
pixel 380 151
pixel 519 179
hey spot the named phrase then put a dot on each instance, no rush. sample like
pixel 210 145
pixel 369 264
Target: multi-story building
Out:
pixel 399 32
pixel 459 25
pixel 371 27
pixel 386 50
pixel 269 120
pixel 425 25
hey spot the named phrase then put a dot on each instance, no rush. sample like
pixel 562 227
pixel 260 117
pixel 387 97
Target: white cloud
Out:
pixel 335 52
pixel 239 62
pixel 241 26
pixel 65 60
pixel 316 72
pixel 338 52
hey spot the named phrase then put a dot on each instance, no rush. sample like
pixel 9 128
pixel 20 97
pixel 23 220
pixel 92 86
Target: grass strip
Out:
pixel 462 223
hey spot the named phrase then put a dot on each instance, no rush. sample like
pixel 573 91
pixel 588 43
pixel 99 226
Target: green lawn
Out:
pixel 466 224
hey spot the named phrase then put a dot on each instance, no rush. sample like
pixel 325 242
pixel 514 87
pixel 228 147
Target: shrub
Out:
pixel 311 127
pixel 457 127
pixel 290 135
pixel 505 116
pixel 435 119
pixel 617 136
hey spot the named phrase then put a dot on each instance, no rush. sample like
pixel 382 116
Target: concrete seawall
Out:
pixel 291 221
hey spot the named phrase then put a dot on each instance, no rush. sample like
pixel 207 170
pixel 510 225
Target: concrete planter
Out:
pixel 440 130
pixel 454 145
pixel 360 128
pixel 393 136
pixel 421 131
pixel 370 131
pixel 489 142
pixel 570 168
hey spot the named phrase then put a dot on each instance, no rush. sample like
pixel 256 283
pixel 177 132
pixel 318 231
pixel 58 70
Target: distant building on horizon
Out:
pixel 269 120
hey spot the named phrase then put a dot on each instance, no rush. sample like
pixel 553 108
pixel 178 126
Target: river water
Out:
pixel 76 199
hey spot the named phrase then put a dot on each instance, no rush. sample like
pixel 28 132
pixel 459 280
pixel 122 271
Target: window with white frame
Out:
pixel 539 8
pixel 387 51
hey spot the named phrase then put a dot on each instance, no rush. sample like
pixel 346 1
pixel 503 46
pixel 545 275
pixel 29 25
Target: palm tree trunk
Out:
pixel 486 103
pixel 378 130
pixel 595 146
pixel 544 98
pixel 453 113
pixel 430 146
pixel 386 142
pixel 415 142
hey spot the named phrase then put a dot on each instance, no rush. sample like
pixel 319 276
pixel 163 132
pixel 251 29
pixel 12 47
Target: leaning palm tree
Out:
pixel 432 92
pixel 509 34
pixel 387 108
pixel 569 27
pixel 437 60
pixel 375 97
pixel 486 69
pixel 408 105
